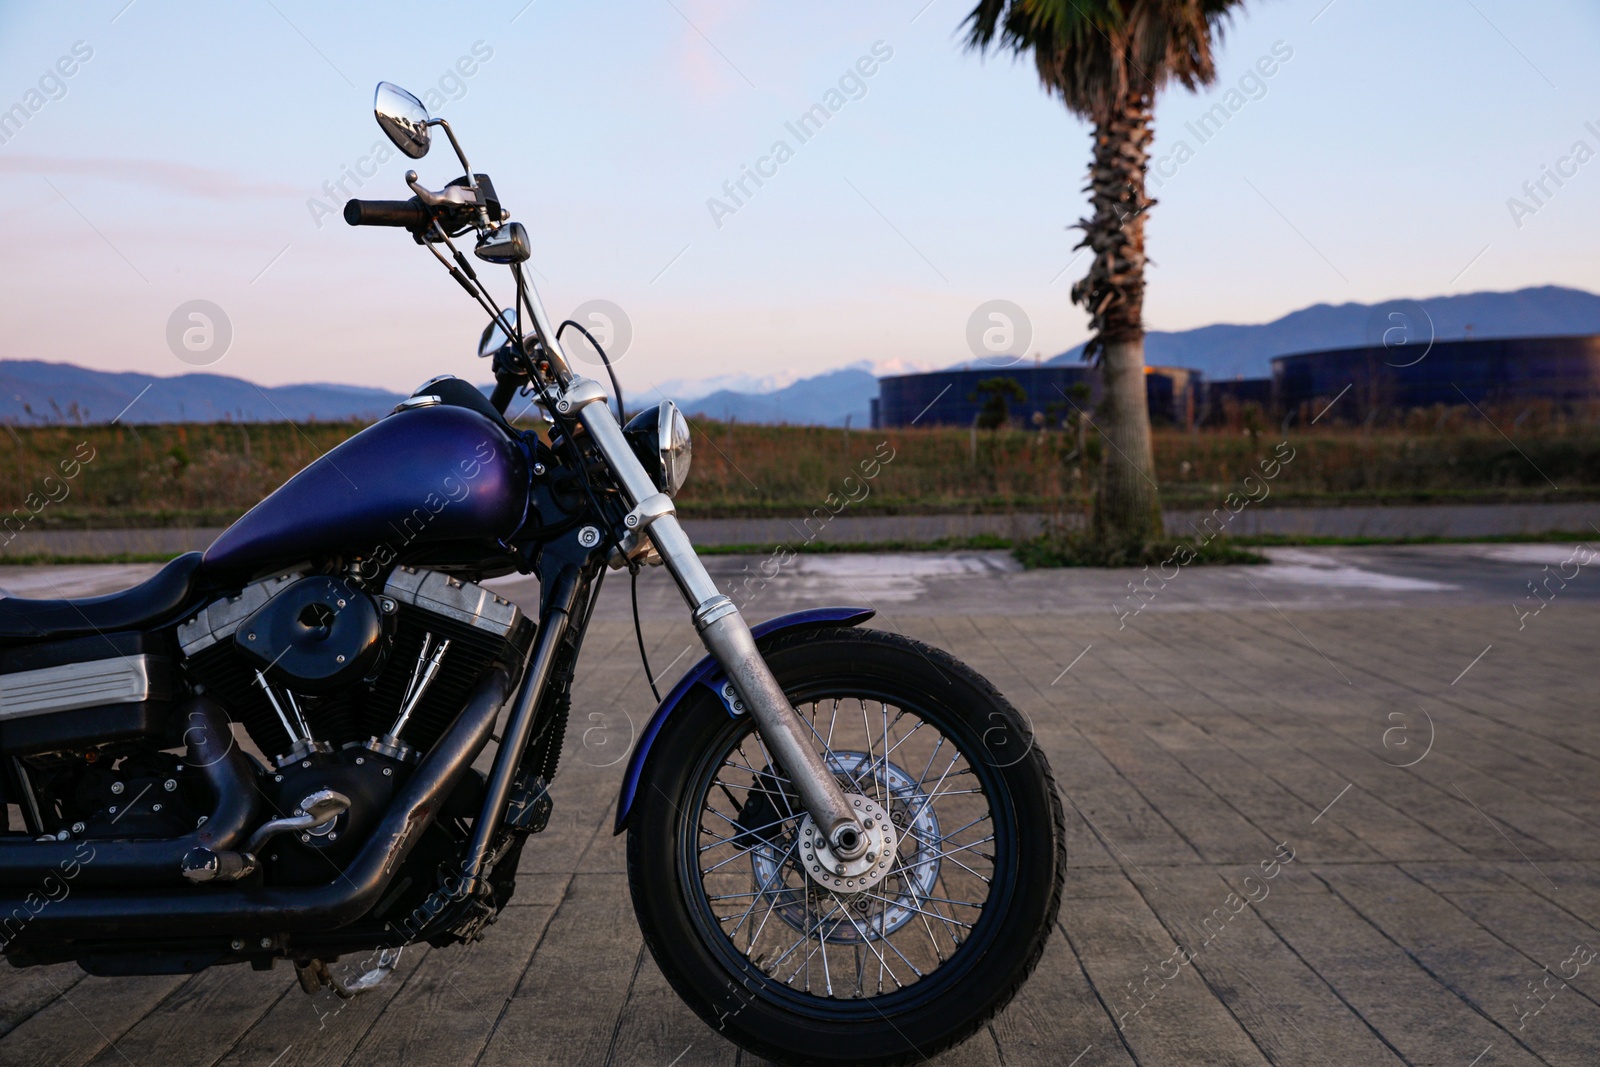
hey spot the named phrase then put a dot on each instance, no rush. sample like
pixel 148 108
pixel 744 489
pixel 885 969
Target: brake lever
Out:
pixel 450 195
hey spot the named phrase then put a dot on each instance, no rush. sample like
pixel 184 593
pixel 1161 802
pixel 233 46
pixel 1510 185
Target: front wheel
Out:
pixel 805 960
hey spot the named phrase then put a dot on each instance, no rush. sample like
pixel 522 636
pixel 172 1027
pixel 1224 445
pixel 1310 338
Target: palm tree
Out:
pixel 1107 59
pixel 994 397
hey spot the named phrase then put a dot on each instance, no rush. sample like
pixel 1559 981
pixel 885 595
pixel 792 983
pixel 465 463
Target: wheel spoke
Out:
pixel 773 775
pixel 742 852
pixel 933 942
pixel 776 870
pixel 883 783
pixel 772 905
pixel 782 795
pixel 923 777
pixel 884 758
pixel 947 855
pixel 742 831
pixel 919 911
pixel 912 889
pixel 948 836
pixel 929 898
pixel 952 793
pixel 822 944
pixel 928 799
pixel 868 941
pixel 912 832
pixel 828 755
pixel 806 939
pixel 866 731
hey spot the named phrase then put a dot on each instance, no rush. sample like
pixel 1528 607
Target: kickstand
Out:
pixel 314 974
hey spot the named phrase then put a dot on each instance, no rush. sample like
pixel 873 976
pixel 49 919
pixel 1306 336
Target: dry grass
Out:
pixel 762 469
pixel 208 474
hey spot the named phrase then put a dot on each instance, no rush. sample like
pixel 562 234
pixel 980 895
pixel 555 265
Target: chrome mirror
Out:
pixel 494 338
pixel 508 244
pixel 403 118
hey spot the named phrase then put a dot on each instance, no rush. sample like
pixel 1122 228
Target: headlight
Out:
pixel 660 438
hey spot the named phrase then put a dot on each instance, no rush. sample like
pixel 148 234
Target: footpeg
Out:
pixel 201 864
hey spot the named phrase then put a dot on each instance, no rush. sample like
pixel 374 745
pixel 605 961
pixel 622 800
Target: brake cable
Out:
pixel 638 632
pixel 622 410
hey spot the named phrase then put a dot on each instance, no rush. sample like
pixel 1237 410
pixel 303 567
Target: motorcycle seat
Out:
pixel 152 602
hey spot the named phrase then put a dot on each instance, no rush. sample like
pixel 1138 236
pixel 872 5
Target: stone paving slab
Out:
pixel 1414 925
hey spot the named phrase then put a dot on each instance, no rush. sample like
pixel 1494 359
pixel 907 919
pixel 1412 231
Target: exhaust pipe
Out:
pixel 211 749
pixel 234 910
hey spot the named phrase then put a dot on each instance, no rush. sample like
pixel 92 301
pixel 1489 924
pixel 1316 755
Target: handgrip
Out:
pixel 409 214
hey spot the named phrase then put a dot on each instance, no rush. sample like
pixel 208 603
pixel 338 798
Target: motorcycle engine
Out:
pixel 368 778
pixel 346 687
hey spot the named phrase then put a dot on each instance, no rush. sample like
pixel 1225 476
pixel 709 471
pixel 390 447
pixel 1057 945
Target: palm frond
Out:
pixel 1095 54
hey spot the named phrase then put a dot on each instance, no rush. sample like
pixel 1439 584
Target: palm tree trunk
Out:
pixel 1127 508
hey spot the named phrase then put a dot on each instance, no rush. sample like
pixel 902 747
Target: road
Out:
pixel 1402 719
pixel 1389 522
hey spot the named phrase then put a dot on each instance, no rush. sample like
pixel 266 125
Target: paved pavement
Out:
pixel 1401 520
pixel 1400 718
pixel 1398 520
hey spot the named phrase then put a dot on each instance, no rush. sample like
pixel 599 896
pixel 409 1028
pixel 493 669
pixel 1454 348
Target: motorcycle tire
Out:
pixel 807 966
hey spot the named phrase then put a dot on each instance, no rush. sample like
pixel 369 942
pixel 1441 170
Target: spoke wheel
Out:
pixel 873 962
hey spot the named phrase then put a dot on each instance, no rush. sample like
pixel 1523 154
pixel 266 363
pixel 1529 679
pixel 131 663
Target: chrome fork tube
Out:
pixel 723 630
pixel 784 730
pixel 727 637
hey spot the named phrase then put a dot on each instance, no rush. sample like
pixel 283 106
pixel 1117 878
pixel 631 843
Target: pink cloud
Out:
pixel 172 177
pixel 701 57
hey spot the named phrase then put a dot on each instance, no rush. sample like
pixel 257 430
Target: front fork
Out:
pixel 783 729
pixel 723 630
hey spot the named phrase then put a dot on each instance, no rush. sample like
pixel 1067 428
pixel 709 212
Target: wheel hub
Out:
pixel 831 871
pixel 913 875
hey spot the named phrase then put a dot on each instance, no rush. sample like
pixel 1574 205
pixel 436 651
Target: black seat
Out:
pixel 148 604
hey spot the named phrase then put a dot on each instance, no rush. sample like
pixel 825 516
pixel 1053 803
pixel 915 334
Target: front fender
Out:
pixel 709 674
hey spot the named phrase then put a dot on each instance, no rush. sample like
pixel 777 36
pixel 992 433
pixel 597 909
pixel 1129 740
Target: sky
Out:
pixel 190 154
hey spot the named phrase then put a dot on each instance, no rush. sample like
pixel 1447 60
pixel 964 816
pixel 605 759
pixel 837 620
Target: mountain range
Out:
pixel 34 392
pixel 825 400
pixel 1232 351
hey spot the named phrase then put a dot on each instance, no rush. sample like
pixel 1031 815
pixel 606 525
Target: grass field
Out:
pixel 209 474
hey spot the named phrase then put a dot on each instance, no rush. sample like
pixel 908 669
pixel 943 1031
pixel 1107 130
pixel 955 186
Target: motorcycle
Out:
pixel 843 845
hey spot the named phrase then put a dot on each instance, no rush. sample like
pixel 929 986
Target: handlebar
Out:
pixel 505 389
pixel 409 214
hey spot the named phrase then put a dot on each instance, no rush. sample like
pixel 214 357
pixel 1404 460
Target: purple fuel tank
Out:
pixel 431 475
